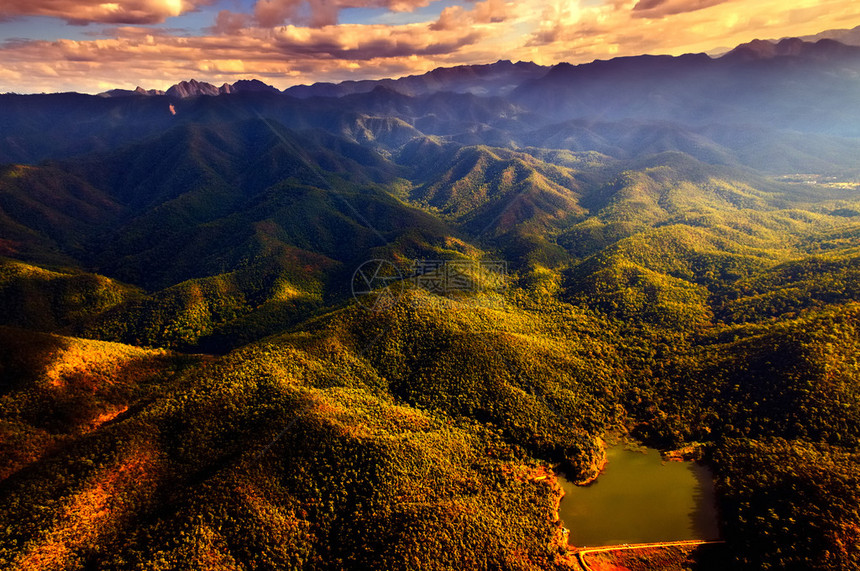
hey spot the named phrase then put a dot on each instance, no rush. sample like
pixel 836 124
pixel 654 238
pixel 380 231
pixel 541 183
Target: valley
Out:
pixel 188 381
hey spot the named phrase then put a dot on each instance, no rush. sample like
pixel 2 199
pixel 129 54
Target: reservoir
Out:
pixel 639 498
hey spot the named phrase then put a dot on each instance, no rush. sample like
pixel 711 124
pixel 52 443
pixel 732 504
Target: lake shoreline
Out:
pixel 648 496
pixel 597 465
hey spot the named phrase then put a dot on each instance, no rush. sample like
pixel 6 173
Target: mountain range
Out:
pixel 190 376
pixel 759 97
pixel 503 77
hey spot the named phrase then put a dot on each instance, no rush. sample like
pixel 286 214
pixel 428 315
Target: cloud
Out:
pixel 82 12
pixel 322 13
pixel 580 31
pixel 362 43
pixel 570 23
pixel 663 8
pixel 319 13
pixel 487 12
pixel 284 56
pixel 450 18
pixel 227 22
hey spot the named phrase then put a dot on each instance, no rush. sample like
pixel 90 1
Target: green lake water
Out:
pixel 639 498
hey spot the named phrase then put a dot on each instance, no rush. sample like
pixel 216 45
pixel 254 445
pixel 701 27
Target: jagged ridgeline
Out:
pixel 188 381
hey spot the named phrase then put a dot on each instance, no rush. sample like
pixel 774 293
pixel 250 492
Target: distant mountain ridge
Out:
pixel 194 88
pixel 849 37
pixel 498 78
pixel 131 92
pixel 490 79
pixel 823 48
pixel 504 77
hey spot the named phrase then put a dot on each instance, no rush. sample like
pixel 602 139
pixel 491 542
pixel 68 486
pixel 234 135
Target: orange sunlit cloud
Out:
pixel 582 31
pixel 661 8
pixel 268 13
pixel 312 48
pixel 301 54
pixel 86 11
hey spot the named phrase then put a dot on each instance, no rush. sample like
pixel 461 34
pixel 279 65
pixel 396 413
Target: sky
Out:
pixel 91 46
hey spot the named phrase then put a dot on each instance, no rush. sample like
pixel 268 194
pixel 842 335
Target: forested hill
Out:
pixel 194 375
